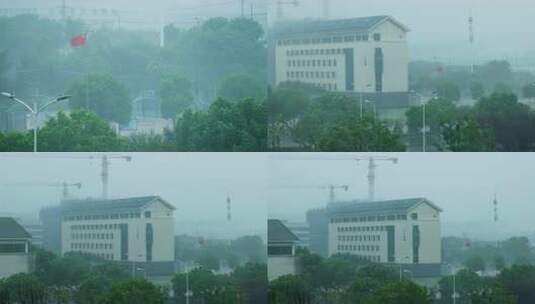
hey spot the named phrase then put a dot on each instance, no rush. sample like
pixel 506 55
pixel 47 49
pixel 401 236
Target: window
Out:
pixel 377 37
pixel 147 214
pixel 414 216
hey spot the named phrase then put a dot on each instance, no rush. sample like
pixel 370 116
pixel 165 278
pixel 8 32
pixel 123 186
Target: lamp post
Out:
pixel 362 99
pixel 35 111
pixel 188 293
pixel 374 107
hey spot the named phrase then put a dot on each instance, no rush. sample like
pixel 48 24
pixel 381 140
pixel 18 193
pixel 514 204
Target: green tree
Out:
pixel 528 91
pixel 103 95
pixel 208 260
pixel 78 132
pixel 401 293
pixel 252 281
pixel 134 292
pixel 240 87
pixel 464 134
pixel 518 280
pixel 176 95
pixel 16 142
pixel 468 287
pixel 477 90
pixel 448 91
pixel 225 126
pixel 475 263
pixel 366 135
pixel 206 287
pixel 251 248
pixel 23 288
pixel 289 290
pixel 510 123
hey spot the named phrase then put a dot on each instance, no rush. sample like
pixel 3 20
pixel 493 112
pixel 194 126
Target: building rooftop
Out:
pixel 380 207
pixel 91 206
pixel 11 229
pixel 361 24
pixel 279 233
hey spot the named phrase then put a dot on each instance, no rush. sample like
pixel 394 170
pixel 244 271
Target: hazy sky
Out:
pixel 439 28
pixel 197 184
pixel 462 184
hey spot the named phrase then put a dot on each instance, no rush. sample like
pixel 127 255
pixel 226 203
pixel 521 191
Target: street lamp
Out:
pixel 362 99
pixel 374 107
pixel 35 111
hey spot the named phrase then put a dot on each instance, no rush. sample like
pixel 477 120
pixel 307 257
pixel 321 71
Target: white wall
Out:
pixel 281 266
pixel 11 264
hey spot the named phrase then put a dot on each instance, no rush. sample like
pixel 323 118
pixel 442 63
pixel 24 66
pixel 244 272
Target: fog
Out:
pixel 439 29
pixel 462 184
pixel 196 184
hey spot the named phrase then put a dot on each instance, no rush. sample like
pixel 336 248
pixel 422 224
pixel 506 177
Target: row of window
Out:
pixel 311 75
pixel 95 227
pixel 313 63
pixel 91 246
pixel 106 216
pixel 106 256
pixel 369 248
pixel 332 39
pixel 373 218
pixel 359 238
pixel 92 236
pixel 360 228
pixel 308 52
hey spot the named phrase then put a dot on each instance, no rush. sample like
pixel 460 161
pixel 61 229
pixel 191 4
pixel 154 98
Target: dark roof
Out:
pixel 109 206
pixel 11 229
pixel 380 207
pixel 279 233
pixel 361 24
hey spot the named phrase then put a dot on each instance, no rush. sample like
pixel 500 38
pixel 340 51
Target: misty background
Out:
pixel 197 184
pixel 462 184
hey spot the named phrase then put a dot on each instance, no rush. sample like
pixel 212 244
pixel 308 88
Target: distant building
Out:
pixel 281 250
pixel 302 231
pixel 36 231
pixel 318 222
pixel 402 232
pixel 50 218
pixel 366 57
pixel 139 229
pixel 14 248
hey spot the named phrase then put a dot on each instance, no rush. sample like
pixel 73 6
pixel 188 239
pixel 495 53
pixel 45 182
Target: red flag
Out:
pixel 78 41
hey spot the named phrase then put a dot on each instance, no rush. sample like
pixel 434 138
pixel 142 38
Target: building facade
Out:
pixel 139 229
pixel 14 248
pixel 366 57
pixel 302 231
pixel 281 250
pixel 402 232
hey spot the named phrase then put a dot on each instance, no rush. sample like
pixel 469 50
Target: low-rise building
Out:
pixel 404 232
pixel 14 248
pixel 139 229
pixel 281 250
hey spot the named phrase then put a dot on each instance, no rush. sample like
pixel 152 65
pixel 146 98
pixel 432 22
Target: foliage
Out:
pixel 23 288
pixel 518 280
pixel 134 292
pixel 16 142
pixel 252 281
pixel 250 248
pixel 528 91
pixel 78 132
pixel 477 90
pixel 475 263
pixel 150 143
pixel 510 123
pixel 240 87
pixel 289 290
pixel 103 95
pixel 401 293
pixel 448 91
pixel 226 126
pixel 363 135
pixel 206 287
pixel 176 95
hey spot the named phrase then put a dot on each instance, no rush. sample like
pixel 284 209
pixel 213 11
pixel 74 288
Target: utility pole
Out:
pixel 243 8
pixel 229 214
pixel 105 163
pixel 495 203
pixel 280 11
pixel 471 40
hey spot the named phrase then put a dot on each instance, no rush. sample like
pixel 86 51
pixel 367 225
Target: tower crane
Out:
pixel 106 160
pixel 64 185
pixel 372 164
pixel 281 3
pixel 331 187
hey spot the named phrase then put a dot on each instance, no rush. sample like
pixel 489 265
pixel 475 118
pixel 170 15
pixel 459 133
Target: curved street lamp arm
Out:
pixel 24 104
pixel 56 100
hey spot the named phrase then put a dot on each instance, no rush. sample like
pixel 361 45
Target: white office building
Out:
pixel 402 232
pixel 139 229
pixel 14 248
pixel 367 57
